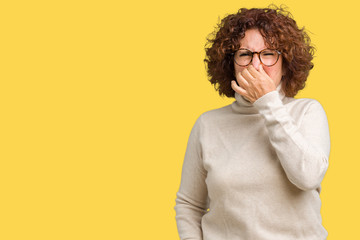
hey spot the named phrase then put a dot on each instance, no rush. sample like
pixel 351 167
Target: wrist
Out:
pixel 268 97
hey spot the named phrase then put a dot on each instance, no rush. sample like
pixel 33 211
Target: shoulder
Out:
pixel 302 103
pixel 213 117
pixel 303 106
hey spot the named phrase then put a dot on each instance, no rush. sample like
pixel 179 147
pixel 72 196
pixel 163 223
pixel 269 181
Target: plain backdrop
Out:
pixel 97 100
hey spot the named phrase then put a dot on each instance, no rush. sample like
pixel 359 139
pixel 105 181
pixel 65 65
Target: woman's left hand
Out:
pixel 253 84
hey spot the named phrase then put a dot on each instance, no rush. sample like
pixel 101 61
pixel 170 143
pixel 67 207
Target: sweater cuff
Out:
pixel 268 100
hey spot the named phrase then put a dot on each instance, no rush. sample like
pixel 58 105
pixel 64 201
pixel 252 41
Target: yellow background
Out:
pixel 97 100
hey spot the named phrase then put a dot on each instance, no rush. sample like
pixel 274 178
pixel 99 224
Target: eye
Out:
pixel 244 54
pixel 268 53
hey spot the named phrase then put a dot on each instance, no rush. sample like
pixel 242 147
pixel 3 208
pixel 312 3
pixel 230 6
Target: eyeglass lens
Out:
pixel 268 57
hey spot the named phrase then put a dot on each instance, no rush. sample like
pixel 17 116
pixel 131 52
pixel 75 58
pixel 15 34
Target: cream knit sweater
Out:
pixel 253 171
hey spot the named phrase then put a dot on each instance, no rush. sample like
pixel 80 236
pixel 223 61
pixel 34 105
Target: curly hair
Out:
pixel 280 32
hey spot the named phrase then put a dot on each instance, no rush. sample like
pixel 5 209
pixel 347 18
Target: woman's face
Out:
pixel 255 43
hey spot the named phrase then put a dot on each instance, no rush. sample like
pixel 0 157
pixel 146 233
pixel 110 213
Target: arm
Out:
pixel 302 150
pixel 191 201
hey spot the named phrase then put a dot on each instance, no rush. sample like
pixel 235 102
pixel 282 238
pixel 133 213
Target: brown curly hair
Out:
pixel 280 32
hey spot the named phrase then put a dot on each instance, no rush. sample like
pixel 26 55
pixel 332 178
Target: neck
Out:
pixel 242 105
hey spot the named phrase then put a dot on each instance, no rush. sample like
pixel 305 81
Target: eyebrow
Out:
pixel 254 51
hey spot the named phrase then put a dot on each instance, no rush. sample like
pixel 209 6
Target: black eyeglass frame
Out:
pixel 252 56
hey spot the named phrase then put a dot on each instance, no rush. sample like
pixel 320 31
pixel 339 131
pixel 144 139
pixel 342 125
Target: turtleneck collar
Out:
pixel 241 105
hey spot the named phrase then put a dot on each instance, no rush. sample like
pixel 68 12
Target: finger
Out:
pixel 252 70
pixel 261 69
pixel 247 76
pixel 264 74
pixel 242 82
pixel 238 89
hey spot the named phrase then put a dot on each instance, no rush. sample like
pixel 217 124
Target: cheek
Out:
pixel 238 69
pixel 271 72
pixel 274 73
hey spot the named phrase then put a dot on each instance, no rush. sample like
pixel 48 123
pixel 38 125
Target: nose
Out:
pixel 256 61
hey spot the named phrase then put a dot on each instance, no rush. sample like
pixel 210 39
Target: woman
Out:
pixel 252 169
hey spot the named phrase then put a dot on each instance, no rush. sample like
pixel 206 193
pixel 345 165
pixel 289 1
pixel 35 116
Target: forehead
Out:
pixel 253 40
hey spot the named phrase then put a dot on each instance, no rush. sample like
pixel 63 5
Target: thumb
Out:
pixel 261 69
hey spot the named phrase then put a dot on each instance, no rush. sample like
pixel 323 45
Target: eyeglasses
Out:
pixel 243 57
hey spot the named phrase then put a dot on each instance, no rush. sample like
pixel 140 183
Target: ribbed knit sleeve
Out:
pixel 303 148
pixel 191 201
